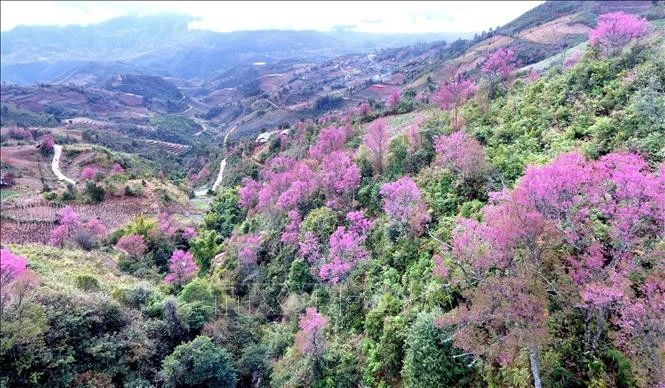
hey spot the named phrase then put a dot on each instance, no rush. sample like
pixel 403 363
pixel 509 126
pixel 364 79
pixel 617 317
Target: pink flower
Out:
pixel 11 266
pixel 89 173
pixel 117 169
pixel 402 202
pixel 292 229
pixel 461 153
pixel 182 268
pixel 250 244
pixel 188 233
pixel 615 30
pixel 500 63
pixel 132 244
pixel 309 339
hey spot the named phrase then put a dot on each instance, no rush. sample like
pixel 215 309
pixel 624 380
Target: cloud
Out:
pixel 394 17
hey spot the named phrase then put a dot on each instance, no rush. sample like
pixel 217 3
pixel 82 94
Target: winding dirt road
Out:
pixel 55 165
pixel 220 176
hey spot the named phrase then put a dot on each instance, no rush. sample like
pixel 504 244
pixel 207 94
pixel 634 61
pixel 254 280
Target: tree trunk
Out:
pixel 535 366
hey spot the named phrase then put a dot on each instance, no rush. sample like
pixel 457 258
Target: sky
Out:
pixel 360 16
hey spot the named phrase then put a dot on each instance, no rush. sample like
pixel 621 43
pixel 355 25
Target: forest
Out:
pixel 510 231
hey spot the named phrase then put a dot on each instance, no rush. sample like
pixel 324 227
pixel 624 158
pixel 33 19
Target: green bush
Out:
pixel 429 358
pixel 87 282
pixel 198 363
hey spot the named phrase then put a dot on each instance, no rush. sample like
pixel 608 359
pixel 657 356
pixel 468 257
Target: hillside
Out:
pixel 484 212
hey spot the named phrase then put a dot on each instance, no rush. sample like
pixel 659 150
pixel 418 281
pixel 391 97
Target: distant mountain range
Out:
pixel 164 45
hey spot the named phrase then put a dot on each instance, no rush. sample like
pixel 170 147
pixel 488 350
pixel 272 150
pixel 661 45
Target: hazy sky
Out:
pixel 389 16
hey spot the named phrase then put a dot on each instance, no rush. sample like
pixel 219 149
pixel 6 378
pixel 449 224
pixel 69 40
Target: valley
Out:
pixel 183 207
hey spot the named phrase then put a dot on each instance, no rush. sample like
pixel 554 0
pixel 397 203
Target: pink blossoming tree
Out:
pixel 393 99
pixel 182 268
pixel 46 144
pixel 133 245
pixel 498 66
pixel 249 249
pixel 292 229
pixel 347 248
pixel 615 30
pixel 310 338
pixel 402 202
pixel 340 177
pixel 11 266
pixel 364 109
pixel 249 193
pixel 15 278
pixel 512 271
pixel 462 154
pixel 117 169
pixel 376 140
pixel 329 140
pixel 68 222
pixel 89 173
pixel 189 233
pixel 453 94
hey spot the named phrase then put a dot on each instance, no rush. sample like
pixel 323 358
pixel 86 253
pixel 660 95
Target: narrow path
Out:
pixel 220 176
pixel 272 103
pixel 201 131
pixel 55 165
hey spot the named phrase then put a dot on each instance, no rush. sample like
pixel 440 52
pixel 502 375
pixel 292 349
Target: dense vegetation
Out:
pixel 511 235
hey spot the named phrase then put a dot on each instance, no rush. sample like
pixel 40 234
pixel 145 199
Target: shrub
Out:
pixel 198 363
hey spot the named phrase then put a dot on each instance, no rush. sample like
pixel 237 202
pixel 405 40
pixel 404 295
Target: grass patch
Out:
pixel 6 195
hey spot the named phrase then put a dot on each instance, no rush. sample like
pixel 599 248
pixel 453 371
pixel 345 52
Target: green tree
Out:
pixel 429 358
pixel 198 363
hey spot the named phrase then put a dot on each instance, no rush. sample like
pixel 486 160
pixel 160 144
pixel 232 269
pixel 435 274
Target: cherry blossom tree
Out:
pixel 393 99
pixel 301 182
pixel 117 169
pixel 310 338
pixel 364 109
pixel 182 268
pixel 461 153
pixel 376 140
pixel 46 144
pixel 68 222
pixel 329 140
pixel 615 30
pixel 453 94
pixel 249 193
pixel 11 266
pixel 69 225
pixel 500 63
pixel 167 224
pixel 340 177
pixel 189 233
pixel 96 228
pixel 292 229
pixel 203 174
pixel 541 242
pixel 133 245
pixel 89 173
pixel 498 66
pixel 346 248
pixel 249 248
pixel 310 247
pixel 402 202
pixel 285 183
pixel 15 278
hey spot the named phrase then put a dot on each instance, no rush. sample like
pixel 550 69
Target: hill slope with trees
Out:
pixel 505 229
